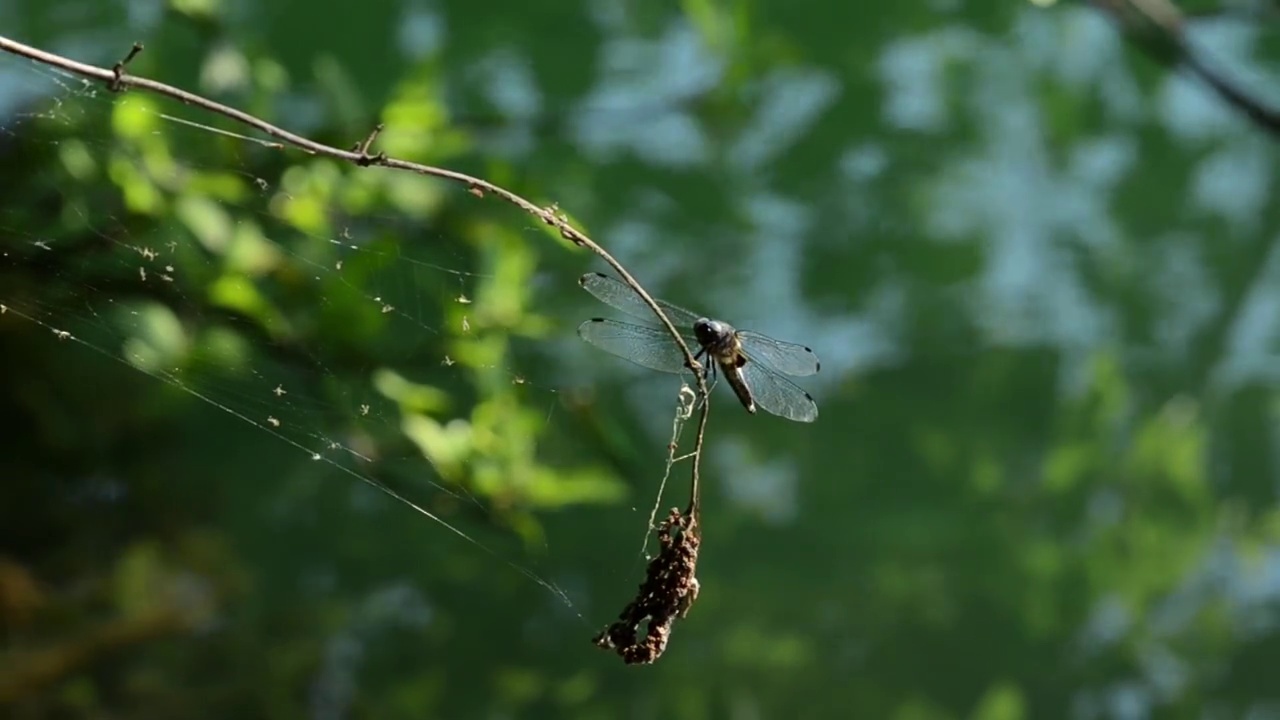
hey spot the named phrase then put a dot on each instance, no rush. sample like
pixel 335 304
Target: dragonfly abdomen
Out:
pixel 733 374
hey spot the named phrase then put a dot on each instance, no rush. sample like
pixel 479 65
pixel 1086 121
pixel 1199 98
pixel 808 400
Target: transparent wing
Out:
pixel 777 395
pixel 787 358
pixel 650 347
pixel 617 294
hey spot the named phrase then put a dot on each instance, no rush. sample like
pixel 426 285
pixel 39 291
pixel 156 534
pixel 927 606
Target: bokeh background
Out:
pixel 1039 265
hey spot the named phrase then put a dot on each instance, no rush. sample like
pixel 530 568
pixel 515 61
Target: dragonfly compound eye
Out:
pixel 710 332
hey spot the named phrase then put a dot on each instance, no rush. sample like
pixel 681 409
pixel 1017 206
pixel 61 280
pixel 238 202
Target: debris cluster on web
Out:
pixel 668 591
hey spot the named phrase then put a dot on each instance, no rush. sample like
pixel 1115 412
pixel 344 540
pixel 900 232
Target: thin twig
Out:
pixel 695 483
pixel 359 156
pixel 684 410
pixel 671 585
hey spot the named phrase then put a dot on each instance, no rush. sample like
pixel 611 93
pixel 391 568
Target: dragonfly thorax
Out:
pixel 716 337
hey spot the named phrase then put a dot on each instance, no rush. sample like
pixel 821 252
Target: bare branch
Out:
pixel 672 572
pixel 116 78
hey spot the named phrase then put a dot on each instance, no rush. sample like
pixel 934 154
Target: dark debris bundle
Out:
pixel 668 591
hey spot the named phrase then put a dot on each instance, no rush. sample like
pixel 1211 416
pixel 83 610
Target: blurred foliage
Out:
pixel 1037 265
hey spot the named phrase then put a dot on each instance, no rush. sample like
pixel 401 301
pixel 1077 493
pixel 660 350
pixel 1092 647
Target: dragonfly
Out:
pixel 752 364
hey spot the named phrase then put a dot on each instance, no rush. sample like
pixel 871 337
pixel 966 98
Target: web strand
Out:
pixel 105 287
pixel 117 80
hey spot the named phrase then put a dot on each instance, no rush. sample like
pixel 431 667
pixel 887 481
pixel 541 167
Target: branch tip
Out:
pixel 364 159
pixel 117 83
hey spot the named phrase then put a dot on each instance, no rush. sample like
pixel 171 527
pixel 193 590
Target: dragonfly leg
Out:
pixel 700 357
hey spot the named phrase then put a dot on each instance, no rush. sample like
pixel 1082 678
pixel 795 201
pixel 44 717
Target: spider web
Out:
pixel 285 299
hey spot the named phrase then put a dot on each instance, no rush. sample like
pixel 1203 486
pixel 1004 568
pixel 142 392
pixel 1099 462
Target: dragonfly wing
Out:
pixel 619 295
pixel 787 358
pixel 649 347
pixel 778 395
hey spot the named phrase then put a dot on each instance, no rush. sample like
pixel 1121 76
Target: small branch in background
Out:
pixel 670 587
pixel 1158 27
pixel 1256 11
pixel 27 673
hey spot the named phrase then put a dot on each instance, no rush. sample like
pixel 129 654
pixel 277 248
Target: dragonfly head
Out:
pixel 714 335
